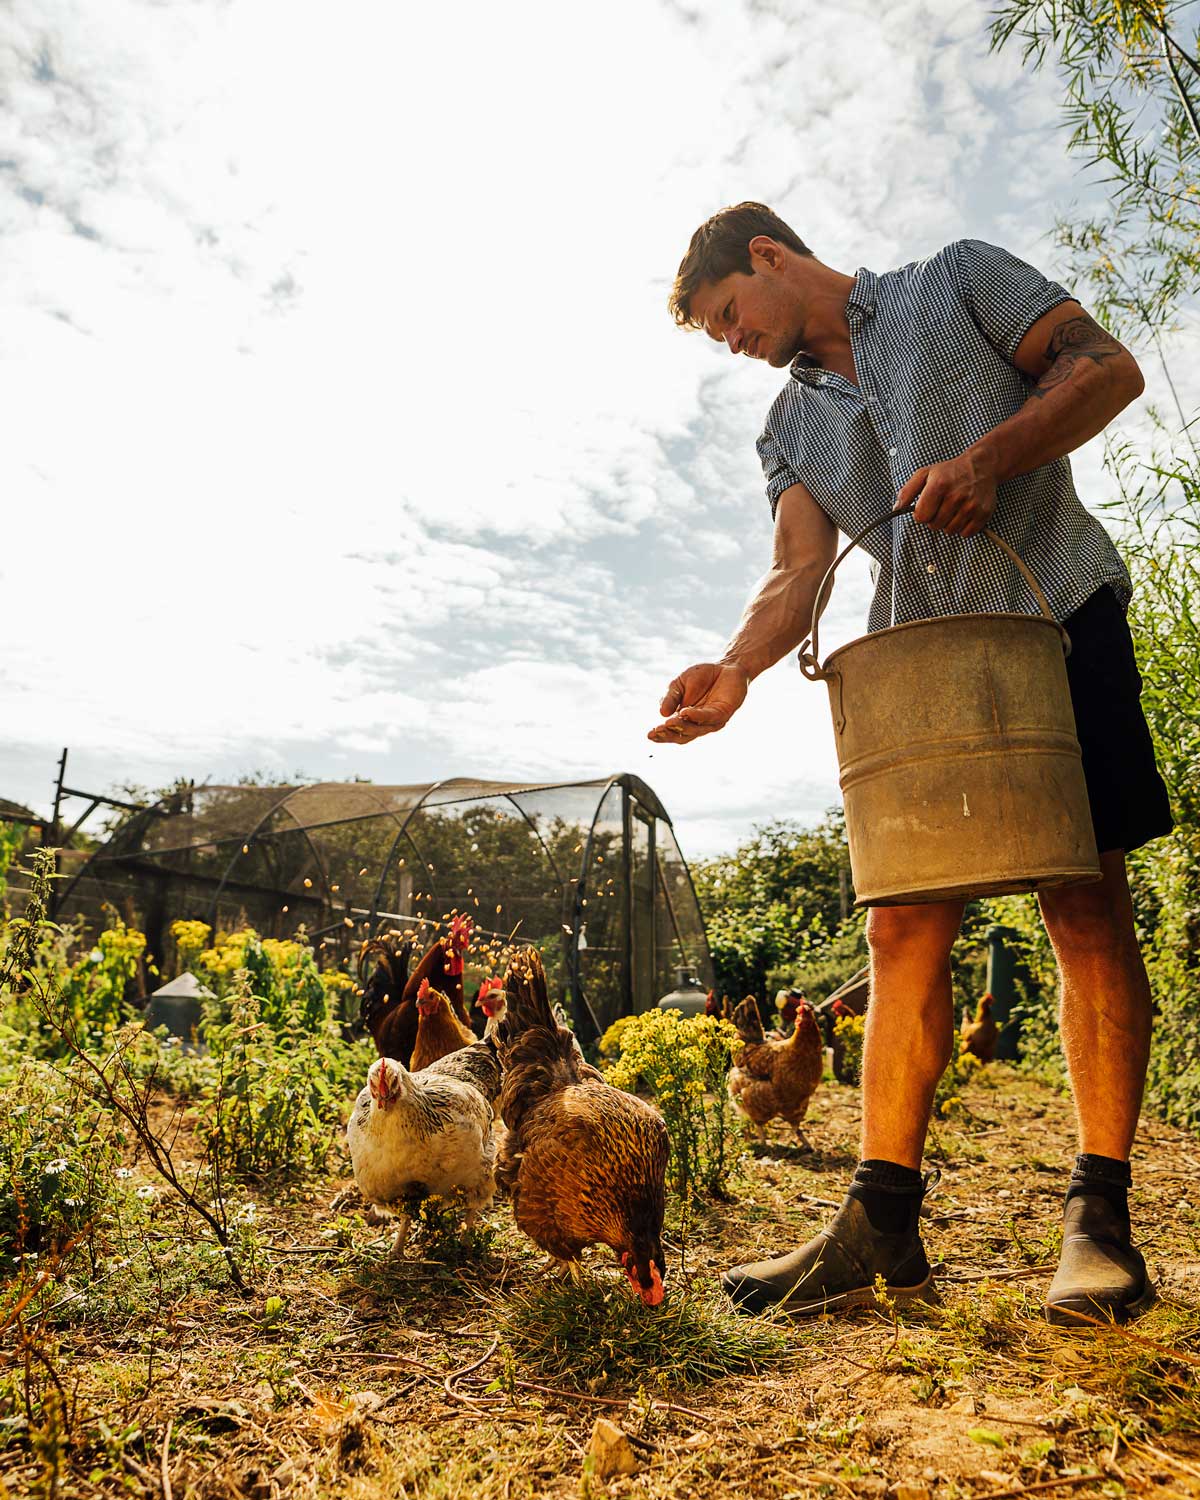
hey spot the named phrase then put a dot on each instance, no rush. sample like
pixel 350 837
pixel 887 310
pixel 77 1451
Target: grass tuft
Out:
pixel 598 1335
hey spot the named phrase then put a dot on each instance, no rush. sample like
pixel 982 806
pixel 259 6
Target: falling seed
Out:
pixel 499 909
pixel 245 848
pixel 307 883
pixel 363 871
pixel 285 908
pixel 348 922
pixel 599 859
pixel 335 887
pixel 578 847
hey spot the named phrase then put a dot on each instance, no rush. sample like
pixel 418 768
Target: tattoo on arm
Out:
pixel 1074 340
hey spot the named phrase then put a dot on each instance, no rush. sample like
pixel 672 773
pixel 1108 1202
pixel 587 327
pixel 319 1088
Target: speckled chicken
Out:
pixel 776 1080
pixel 415 1134
pixel 439 1031
pixel 585 1162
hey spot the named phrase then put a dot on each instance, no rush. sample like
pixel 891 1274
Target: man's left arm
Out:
pixel 1083 378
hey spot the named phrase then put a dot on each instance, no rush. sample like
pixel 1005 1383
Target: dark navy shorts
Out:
pixel 1127 795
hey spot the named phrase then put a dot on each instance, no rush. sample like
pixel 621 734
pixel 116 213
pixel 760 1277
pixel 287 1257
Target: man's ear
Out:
pixel 765 253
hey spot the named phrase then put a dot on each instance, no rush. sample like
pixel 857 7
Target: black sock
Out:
pixel 1103 1177
pixel 890 1194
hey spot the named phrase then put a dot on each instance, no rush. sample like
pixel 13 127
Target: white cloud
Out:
pixel 347 429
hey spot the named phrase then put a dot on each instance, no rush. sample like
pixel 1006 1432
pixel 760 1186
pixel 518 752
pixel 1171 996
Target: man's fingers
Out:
pixel 672 698
pixel 933 497
pixel 689 725
pixel 911 490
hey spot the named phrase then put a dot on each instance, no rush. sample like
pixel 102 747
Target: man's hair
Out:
pixel 721 246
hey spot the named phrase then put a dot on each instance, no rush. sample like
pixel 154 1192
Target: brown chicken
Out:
pixel 748 1019
pixel 845 1069
pixel 584 1162
pixel 439 1031
pixel 776 1080
pixel 981 1035
pixel 389 996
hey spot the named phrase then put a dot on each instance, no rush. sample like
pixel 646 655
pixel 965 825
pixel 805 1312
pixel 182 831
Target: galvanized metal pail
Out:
pixel 960 768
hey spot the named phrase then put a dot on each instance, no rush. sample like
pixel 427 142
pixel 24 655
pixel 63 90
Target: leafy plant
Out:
pixel 56 1164
pixel 684 1061
pixel 281 1093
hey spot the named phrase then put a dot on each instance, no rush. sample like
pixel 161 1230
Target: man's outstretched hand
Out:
pixel 701 700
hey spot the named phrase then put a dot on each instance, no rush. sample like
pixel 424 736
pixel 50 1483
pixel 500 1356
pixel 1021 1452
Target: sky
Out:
pixel 348 433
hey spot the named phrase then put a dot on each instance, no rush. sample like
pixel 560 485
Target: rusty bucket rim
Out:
pixel 928 620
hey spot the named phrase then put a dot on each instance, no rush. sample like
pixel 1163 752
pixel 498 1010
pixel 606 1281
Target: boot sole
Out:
pixel 1088 1313
pixel 862 1296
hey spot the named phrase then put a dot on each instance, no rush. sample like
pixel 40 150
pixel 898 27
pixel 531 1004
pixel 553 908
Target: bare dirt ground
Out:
pixel 367 1380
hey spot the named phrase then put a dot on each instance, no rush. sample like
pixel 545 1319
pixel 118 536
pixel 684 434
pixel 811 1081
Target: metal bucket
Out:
pixel 960 768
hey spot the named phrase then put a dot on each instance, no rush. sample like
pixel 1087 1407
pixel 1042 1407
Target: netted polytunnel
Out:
pixel 589 871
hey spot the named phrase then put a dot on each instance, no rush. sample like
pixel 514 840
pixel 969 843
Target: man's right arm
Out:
pixel 704 697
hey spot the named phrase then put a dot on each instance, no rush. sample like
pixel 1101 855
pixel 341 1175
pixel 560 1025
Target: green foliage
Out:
pixel 437 1226
pixel 57 1161
pixel 282 973
pixel 684 1061
pixel 1132 104
pixel 774 901
pixel 283 1089
pixel 12 838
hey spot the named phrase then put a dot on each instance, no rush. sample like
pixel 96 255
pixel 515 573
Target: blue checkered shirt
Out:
pixel 933 348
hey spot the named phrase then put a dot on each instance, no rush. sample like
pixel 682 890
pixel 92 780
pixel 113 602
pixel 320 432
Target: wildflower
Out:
pixel 146 1192
pixel 124 1172
pixel 57 1167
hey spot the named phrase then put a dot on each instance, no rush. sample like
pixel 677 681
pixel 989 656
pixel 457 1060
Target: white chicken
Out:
pixel 413 1135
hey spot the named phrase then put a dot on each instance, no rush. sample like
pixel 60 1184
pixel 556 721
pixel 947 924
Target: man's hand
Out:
pixel 701 700
pixel 957 497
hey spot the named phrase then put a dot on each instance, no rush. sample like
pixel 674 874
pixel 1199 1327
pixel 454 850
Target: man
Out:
pixel 959 383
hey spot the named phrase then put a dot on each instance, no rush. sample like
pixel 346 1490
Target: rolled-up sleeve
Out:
pixel 777 472
pixel 1005 295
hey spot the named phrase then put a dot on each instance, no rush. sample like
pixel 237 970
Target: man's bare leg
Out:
pixel 1105 1022
pixel 875 1234
pixel 910 1025
pixel 1106 1007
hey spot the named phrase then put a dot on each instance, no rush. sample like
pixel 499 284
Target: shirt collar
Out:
pixel 860 305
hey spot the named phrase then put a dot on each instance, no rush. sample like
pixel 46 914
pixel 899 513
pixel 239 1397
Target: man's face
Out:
pixel 758 314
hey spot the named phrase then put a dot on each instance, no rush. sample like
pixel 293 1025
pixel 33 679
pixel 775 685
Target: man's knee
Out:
pixel 921 935
pixel 1094 918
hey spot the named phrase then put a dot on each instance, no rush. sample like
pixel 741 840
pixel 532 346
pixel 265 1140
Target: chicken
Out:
pixel 492 1003
pixel 442 965
pixel 439 1031
pixel 389 995
pixel 727 1008
pixel 585 1162
pixel 747 1018
pixel 787 1003
pixel 712 1006
pixel 981 1035
pixel 776 1080
pixel 478 1065
pixel 411 1135
pixel 387 1012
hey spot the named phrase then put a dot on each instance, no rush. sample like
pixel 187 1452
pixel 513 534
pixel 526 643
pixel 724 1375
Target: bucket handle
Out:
pixel 810 663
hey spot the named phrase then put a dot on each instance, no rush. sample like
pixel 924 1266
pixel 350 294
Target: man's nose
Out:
pixel 735 340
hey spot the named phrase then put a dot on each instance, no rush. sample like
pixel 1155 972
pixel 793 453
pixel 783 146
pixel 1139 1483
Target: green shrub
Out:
pixel 57 1165
pixel 283 1089
pixel 684 1061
